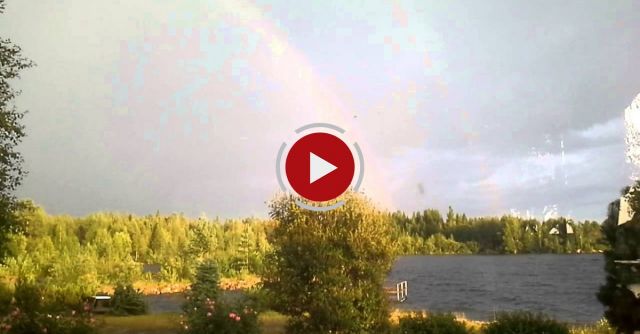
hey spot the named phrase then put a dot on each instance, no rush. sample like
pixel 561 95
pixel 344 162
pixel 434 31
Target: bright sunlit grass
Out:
pixel 167 323
pixel 153 323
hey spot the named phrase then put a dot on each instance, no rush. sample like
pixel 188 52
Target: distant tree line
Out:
pixel 428 232
pixel 106 248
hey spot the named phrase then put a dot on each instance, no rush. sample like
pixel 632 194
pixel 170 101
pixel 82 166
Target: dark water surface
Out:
pixel 562 286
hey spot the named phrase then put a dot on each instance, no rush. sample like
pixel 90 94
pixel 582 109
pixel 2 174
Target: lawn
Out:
pixel 271 322
pixel 167 323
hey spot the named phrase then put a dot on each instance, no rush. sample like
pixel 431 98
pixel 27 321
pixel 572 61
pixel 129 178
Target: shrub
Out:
pixel 128 301
pixel 19 322
pixel 221 318
pixel 525 323
pixel 328 268
pixel 6 297
pixel 206 313
pixel 623 243
pixel 431 324
pixel 29 315
pixel 601 327
pixel 28 297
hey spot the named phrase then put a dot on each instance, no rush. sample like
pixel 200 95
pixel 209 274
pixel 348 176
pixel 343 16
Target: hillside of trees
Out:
pixel 106 248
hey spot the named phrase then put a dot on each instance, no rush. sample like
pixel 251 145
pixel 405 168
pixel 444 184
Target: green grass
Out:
pixel 167 323
pixel 271 322
pixel 141 324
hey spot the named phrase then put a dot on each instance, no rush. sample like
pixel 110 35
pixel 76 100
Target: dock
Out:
pixel 399 292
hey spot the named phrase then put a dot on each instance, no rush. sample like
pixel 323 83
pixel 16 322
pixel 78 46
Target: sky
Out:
pixel 490 107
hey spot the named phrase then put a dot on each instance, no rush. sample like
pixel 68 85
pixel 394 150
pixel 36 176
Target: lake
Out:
pixel 562 286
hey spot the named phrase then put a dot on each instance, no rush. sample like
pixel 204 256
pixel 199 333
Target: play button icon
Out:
pixel 320 167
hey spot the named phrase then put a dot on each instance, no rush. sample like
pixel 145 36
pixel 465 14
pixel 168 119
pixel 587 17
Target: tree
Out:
pixel 451 217
pixel 205 313
pixel 512 235
pixel 622 306
pixel 328 268
pixel 11 134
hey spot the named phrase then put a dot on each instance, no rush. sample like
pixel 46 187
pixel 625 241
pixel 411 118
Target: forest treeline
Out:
pixel 86 253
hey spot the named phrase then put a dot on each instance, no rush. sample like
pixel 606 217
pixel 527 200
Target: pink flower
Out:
pixel 232 315
pixel 238 318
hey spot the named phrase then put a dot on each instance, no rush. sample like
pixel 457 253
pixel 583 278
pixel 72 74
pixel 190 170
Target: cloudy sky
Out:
pixel 180 106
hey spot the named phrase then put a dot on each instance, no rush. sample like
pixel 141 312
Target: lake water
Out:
pixel 562 286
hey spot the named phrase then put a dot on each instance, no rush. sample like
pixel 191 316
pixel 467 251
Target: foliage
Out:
pixel 18 322
pixel 431 324
pixel 622 307
pixel 128 301
pixel 77 256
pixel 328 268
pixel 524 323
pixel 206 313
pixel 601 327
pixel 204 288
pixel 11 133
pixel 6 297
pixel 73 257
pixel 427 233
pixel 31 313
pixel 221 318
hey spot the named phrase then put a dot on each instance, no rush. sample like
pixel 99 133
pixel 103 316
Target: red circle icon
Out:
pixel 320 167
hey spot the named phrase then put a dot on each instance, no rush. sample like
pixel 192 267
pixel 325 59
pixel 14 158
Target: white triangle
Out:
pixel 318 167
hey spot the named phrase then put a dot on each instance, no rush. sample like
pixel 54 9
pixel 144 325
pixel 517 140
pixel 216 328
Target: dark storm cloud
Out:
pixel 486 106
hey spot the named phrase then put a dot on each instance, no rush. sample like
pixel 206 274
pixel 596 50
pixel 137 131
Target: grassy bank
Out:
pixel 271 323
pixel 167 323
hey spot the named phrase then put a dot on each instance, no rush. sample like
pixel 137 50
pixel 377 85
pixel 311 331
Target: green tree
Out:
pixel 622 306
pixel 205 287
pixel 512 236
pixel 12 62
pixel 451 217
pixel 328 268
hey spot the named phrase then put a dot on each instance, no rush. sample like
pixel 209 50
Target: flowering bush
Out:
pixel 220 318
pixel 205 313
pixel 72 322
pixel 28 313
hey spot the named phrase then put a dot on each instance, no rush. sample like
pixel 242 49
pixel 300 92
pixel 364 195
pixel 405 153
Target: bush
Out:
pixel 28 297
pixel 6 297
pixel 128 301
pixel 206 313
pixel 221 318
pixel 28 315
pixel 601 327
pixel 19 322
pixel 328 268
pixel 525 323
pixel 431 324
pixel 623 243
